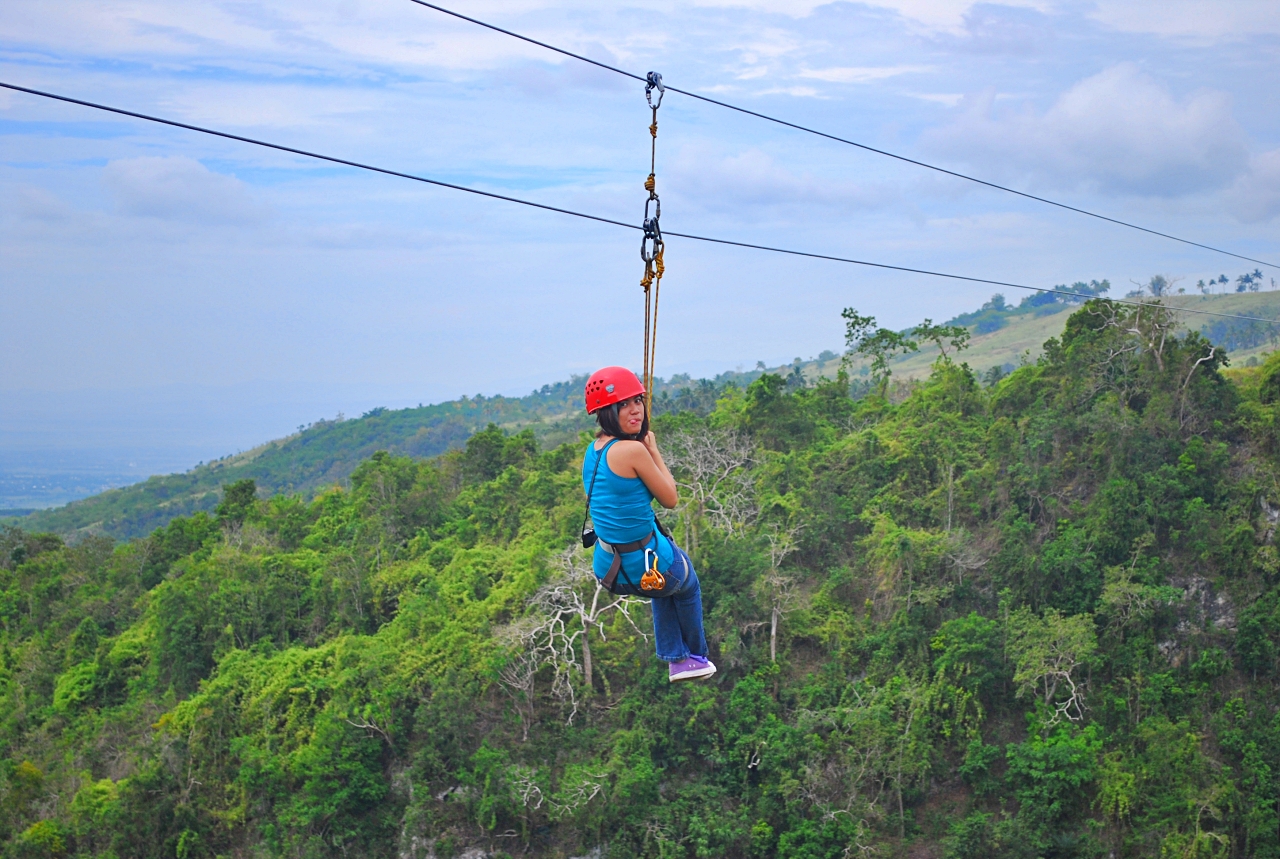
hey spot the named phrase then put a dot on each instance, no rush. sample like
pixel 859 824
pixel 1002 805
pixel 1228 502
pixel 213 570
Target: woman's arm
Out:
pixel 644 460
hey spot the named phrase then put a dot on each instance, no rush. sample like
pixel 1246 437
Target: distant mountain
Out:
pixel 319 456
pixel 325 453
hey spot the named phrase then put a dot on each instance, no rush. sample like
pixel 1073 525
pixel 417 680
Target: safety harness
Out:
pixel 652 580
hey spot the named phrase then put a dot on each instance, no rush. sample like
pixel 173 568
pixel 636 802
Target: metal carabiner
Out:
pixel 653 81
pixel 652 231
pixel 651 243
pixel 657 211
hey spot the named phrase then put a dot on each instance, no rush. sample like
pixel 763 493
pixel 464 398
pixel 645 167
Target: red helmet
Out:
pixel 611 385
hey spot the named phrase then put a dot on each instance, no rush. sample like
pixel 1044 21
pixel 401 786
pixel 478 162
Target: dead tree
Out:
pixel 518 674
pixel 1183 417
pixel 780 589
pixel 564 598
pixel 577 793
pixel 963 555
pixel 561 619
pixel 712 468
pixel 1151 324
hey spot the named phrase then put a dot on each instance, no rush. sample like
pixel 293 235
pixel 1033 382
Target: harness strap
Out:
pixel 591 491
pixel 617 549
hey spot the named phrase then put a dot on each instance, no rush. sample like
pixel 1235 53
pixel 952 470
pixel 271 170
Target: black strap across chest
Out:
pixel 591 490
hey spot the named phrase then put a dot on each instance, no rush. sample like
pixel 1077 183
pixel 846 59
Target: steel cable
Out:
pixel 346 162
pixel 845 140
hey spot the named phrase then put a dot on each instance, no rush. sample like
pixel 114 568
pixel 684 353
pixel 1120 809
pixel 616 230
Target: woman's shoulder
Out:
pixel 624 455
pixel 598 444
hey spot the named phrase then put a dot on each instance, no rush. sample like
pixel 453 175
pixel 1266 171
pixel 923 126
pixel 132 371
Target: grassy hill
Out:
pixel 328 451
pixel 1022 335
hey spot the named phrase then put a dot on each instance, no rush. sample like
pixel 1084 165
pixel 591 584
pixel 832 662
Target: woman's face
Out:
pixel 631 414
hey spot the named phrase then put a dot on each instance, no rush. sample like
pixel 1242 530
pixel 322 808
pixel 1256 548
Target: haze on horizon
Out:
pixel 176 297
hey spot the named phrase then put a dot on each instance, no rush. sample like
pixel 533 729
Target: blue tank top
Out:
pixel 622 512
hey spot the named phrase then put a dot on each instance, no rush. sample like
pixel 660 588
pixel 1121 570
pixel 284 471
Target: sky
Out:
pixel 169 297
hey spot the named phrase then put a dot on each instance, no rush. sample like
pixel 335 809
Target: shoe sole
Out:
pixel 693 675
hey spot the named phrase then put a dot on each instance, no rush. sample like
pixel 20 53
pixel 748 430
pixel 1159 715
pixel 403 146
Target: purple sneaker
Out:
pixel 691 668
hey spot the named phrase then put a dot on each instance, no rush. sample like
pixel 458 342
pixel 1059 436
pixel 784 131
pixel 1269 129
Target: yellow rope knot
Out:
pixel 649 183
pixel 647 280
pixel 653 129
pixel 658 263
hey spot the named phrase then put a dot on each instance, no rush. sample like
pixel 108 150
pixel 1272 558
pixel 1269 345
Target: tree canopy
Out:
pixel 1034 618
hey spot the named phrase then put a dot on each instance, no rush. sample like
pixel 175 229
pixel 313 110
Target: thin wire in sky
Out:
pixel 597 218
pixel 844 140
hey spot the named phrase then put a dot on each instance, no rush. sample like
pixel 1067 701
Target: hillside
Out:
pixel 319 456
pixel 326 453
pixel 1022 336
pixel 1039 618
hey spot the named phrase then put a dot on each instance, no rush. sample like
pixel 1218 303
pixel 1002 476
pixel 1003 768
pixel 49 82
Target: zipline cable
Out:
pixel 844 140
pixel 598 218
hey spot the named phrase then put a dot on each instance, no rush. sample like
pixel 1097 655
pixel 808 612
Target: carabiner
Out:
pixel 649 252
pixel 653 81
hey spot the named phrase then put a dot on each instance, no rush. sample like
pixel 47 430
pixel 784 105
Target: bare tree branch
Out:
pixel 713 470
pixel 779 589
pixel 560 623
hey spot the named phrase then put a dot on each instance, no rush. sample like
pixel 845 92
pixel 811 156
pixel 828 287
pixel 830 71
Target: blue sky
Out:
pixel 216 294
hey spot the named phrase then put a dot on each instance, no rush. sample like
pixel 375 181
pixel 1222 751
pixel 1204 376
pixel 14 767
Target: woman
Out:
pixel 622 472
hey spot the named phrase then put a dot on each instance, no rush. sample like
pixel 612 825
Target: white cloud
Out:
pixel 794 91
pixel 1256 194
pixel 792 8
pixel 752 184
pixel 1117 131
pixel 859 74
pixel 269 105
pixel 931 14
pixel 1195 19
pixel 949 15
pixel 385 82
pixel 39 204
pixel 1191 19
pixel 950 99
pixel 275 36
pixel 178 188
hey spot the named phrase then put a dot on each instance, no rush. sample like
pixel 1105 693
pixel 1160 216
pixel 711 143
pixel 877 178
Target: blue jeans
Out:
pixel 677 613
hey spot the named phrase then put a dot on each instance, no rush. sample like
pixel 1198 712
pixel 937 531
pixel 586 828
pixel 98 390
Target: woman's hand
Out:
pixel 651 444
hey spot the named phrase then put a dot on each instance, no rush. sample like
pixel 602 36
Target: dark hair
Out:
pixel 607 418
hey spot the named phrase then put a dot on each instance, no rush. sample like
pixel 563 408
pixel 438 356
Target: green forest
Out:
pixel 326 452
pixel 1033 614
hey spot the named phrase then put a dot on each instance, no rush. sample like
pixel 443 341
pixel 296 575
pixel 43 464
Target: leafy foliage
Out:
pixel 1035 619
